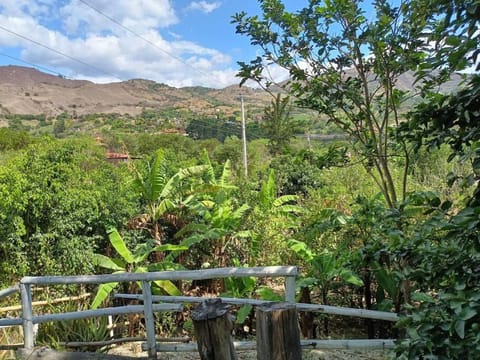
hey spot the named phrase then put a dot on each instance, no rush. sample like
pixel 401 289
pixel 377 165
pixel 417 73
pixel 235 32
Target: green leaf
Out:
pixel 170 247
pixel 453 41
pixel 349 277
pixel 301 249
pixel 102 293
pixel 460 328
pixel 421 297
pixel 157 176
pixel 226 174
pixel 168 287
pixel 467 313
pixel 242 313
pixel 117 242
pixel 267 293
pixel 106 263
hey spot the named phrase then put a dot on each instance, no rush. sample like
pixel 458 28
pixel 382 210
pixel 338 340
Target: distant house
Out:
pixel 119 157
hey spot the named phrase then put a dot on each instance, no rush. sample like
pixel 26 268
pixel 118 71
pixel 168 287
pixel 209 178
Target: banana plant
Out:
pixel 164 195
pixel 220 217
pixel 325 268
pixel 275 216
pixel 135 262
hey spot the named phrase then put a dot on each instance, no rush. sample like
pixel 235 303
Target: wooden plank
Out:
pixel 336 310
pixel 122 341
pixel 191 299
pixel 49 354
pixel 129 309
pixel 267 271
pixel 193 347
pixel 11 346
pixel 290 288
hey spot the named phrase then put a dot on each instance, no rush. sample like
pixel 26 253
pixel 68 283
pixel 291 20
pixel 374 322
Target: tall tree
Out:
pixel 345 65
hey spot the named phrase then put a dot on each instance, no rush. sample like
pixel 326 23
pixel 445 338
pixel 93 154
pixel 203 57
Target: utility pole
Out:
pixel 244 140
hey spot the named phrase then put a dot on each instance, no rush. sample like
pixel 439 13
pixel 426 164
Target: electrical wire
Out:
pixel 58 52
pixel 34 65
pixel 146 40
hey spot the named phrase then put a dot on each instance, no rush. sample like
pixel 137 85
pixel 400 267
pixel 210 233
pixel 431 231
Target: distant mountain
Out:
pixel 26 90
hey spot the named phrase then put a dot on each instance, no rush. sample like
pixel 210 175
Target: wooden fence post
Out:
pixel 213 326
pixel 278 336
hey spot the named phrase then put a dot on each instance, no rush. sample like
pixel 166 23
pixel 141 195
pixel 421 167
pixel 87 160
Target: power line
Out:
pixel 34 65
pixel 58 52
pixel 145 39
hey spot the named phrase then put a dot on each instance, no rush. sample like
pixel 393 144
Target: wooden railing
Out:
pixel 171 303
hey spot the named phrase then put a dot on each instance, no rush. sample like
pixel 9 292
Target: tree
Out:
pixel 59 127
pixel 444 252
pixel 346 67
pixel 55 199
pixel 278 125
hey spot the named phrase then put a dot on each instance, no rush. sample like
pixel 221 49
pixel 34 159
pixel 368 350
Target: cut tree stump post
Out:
pixel 278 335
pixel 213 326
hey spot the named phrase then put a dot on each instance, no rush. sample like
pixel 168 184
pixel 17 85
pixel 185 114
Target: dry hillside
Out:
pixel 28 91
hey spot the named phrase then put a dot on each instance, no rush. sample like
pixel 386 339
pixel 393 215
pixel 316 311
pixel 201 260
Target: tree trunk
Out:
pixel 213 326
pixel 278 336
pixel 307 318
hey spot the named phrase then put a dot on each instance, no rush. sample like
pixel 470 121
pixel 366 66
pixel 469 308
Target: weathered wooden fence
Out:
pixel 174 303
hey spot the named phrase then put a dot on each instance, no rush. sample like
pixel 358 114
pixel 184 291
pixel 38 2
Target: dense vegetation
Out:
pixel 387 218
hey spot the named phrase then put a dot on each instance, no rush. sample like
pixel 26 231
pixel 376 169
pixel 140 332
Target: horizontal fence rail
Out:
pixel 9 291
pixel 148 308
pixel 154 303
pixel 372 344
pixel 268 271
pixel 119 310
pixel 326 309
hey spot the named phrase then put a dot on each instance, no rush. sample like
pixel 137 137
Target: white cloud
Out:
pixel 204 6
pixel 112 53
pixel 138 15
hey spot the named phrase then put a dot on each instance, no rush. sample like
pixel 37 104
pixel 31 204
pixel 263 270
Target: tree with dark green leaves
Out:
pixel 444 253
pixel 345 65
pixel 56 197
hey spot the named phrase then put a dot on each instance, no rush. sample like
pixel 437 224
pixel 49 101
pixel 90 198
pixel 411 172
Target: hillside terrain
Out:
pixel 28 91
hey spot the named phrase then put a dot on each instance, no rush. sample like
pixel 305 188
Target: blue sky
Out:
pixel 177 42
